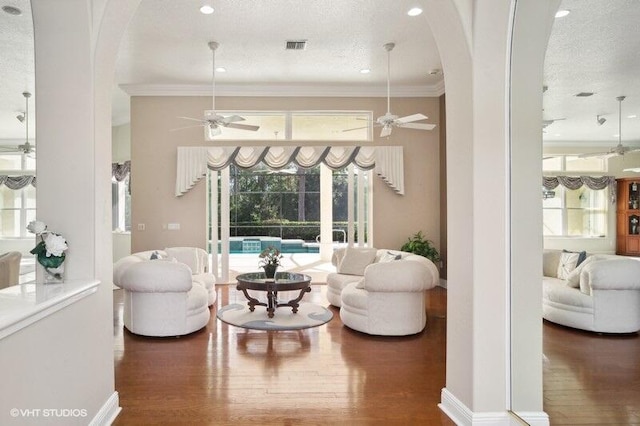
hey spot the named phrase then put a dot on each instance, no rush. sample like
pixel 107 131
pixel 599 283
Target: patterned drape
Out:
pixel 192 162
pixel 573 182
pixel 120 171
pixel 17 182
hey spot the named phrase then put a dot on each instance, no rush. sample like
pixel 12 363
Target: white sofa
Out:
pixel 384 297
pixel 602 294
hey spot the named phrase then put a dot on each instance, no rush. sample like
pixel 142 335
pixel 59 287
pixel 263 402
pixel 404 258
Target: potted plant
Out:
pixel 270 260
pixel 421 246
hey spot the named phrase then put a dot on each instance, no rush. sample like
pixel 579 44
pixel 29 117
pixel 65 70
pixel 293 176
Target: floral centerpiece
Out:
pixel 270 260
pixel 49 251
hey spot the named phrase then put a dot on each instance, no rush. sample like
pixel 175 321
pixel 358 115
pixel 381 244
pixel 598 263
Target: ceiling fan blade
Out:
pixel 419 126
pixel 194 119
pixel 242 126
pixel 386 131
pixel 233 118
pixel 187 127
pixel 410 118
pixel 355 128
pixel 607 154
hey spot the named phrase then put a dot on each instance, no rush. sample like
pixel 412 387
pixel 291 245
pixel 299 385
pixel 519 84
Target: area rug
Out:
pixel 309 315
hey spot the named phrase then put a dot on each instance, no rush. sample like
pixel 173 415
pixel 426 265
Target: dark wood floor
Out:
pixel 323 375
pixel 333 375
pixel 590 378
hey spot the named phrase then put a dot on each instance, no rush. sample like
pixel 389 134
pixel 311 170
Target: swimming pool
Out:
pixel 257 244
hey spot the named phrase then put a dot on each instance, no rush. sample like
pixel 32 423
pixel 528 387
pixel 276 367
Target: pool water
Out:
pixel 257 244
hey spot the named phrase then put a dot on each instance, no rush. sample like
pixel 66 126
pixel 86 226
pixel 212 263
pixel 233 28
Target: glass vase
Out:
pixel 53 275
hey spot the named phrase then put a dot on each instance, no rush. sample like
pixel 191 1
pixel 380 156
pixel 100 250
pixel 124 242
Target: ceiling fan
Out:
pixel 27 147
pixel 213 122
pixel 389 121
pixel 618 149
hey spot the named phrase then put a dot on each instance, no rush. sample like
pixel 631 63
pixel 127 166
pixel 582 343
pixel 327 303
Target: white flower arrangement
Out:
pixel 50 250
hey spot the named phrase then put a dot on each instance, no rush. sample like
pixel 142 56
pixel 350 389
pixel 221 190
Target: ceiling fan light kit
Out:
pixel 25 148
pixel 618 149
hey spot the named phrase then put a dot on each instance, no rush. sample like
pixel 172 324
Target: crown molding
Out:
pixel 588 144
pixel 434 90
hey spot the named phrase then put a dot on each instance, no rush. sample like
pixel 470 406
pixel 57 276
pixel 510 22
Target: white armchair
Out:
pixel 161 300
pixel 389 300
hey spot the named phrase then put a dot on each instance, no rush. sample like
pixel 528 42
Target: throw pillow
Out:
pixel 155 256
pixel 581 258
pixel 568 262
pixel 389 257
pixel 355 260
pixel 573 279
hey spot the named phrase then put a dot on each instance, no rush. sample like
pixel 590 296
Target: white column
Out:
pixel 326 212
pixel 369 207
pixel 214 219
pixel 350 206
pixel 224 222
pixel 361 210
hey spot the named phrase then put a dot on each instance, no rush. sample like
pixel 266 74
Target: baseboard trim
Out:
pixel 108 412
pixel 462 415
pixel 534 418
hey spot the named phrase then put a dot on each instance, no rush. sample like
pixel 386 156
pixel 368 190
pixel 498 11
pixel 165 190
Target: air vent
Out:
pixel 296 45
pixel 584 94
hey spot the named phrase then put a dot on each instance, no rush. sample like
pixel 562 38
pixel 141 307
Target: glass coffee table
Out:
pixel 284 281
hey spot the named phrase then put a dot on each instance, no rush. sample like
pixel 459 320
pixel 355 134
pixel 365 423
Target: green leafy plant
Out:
pixel 270 256
pixel 418 244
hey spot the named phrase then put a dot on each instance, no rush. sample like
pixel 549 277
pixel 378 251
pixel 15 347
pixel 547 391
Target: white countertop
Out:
pixel 24 304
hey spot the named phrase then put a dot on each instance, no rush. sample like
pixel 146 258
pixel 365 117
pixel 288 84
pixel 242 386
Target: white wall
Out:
pixel 66 359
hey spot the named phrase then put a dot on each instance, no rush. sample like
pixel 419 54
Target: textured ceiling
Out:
pixel 596 48
pixel 165 50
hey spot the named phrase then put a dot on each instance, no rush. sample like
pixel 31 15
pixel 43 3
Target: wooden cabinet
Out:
pixel 628 217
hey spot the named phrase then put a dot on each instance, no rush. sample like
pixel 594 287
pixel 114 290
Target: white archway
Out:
pixel 75 75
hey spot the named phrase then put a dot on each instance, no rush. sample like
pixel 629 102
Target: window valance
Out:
pixel 575 182
pixel 192 162
pixel 17 182
pixel 120 171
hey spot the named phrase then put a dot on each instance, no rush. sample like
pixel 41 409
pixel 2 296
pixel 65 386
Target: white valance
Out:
pixel 192 162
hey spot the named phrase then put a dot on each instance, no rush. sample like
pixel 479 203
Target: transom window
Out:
pixel 302 125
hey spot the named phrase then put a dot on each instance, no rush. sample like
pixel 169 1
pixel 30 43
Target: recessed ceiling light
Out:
pixel 562 13
pixel 557 134
pixel 221 69
pixel 435 71
pixel 632 116
pixel 365 71
pixel 206 9
pixel 414 11
pixel 12 10
pixel 616 135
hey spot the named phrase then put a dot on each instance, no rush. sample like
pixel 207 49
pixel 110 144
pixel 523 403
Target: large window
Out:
pixel 574 213
pixel 17 207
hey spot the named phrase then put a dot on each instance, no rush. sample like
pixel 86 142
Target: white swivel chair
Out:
pixel 161 300
pixel 390 299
